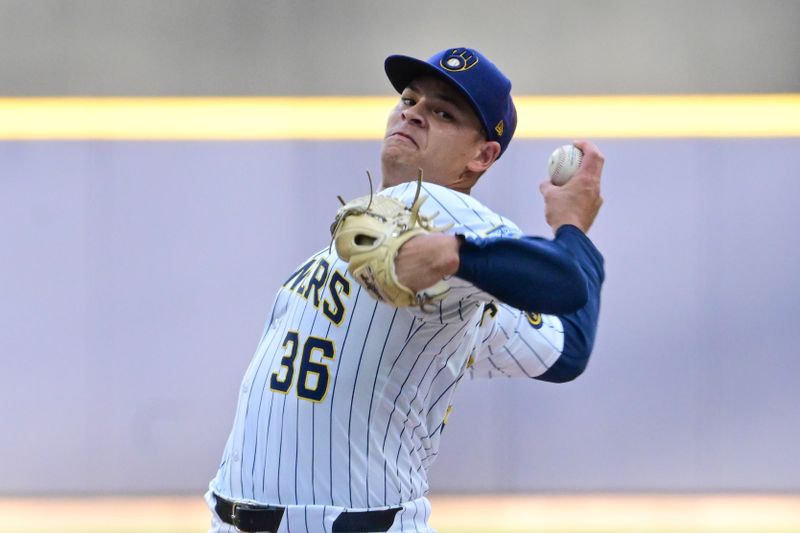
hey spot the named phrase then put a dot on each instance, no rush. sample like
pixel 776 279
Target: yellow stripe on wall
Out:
pixel 344 118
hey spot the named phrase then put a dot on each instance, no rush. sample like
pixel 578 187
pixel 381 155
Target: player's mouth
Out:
pixel 401 135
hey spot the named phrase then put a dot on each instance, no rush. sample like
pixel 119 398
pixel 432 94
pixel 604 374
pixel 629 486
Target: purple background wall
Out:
pixel 135 278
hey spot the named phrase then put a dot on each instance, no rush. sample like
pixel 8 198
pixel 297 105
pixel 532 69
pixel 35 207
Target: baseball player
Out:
pixel 342 408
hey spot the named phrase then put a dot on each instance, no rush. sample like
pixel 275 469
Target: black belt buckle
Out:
pixel 236 516
pixel 256 518
pixel 249 518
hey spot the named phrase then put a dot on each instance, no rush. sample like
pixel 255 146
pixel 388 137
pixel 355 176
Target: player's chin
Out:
pixel 397 153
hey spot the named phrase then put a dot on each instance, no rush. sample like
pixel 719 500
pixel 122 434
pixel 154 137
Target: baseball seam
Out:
pixel 562 158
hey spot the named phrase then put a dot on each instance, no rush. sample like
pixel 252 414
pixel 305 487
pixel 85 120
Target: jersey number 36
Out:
pixel 312 379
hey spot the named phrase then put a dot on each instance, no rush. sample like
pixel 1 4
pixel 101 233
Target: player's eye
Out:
pixel 407 101
pixel 444 115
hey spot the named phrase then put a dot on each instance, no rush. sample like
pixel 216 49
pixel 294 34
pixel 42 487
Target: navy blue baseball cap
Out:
pixel 477 78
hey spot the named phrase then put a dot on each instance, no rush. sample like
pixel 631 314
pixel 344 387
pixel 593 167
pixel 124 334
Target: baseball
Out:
pixel 563 164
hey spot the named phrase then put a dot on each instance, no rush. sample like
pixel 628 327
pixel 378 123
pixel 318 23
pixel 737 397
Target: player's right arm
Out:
pixel 530 273
pixel 549 348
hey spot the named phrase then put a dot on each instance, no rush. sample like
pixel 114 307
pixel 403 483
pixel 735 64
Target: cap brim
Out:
pixel 402 70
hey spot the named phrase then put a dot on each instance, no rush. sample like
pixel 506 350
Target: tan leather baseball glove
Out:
pixel 368 233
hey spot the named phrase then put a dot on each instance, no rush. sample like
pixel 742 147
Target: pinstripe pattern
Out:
pixel 512 347
pixel 378 383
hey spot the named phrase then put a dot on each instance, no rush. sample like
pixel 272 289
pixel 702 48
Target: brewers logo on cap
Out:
pixel 459 59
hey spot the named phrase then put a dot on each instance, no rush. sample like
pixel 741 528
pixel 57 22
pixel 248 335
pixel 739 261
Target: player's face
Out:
pixel 433 127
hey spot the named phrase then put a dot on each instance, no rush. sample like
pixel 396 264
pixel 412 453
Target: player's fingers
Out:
pixel 593 159
pixel 545 187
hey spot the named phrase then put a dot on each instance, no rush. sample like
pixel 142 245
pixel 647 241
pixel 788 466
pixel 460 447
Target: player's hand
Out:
pixel 426 259
pixel 578 201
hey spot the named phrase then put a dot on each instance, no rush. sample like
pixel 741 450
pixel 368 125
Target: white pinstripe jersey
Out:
pixel 345 400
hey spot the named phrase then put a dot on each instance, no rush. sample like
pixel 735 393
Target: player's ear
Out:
pixel 486 154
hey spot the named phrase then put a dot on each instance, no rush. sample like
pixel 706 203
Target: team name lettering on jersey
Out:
pixel 311 279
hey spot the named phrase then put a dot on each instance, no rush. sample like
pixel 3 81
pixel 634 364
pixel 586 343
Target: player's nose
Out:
pixel 413 114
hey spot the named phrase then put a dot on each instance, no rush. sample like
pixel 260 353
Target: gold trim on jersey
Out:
pixel 490 309
pixel 447 414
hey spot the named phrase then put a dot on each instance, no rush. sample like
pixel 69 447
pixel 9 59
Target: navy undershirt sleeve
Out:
pixel 580 327
pixel 560 277
pixel 530 273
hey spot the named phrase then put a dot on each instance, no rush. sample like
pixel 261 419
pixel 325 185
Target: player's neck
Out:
pixel 395 174
pixel 392 176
